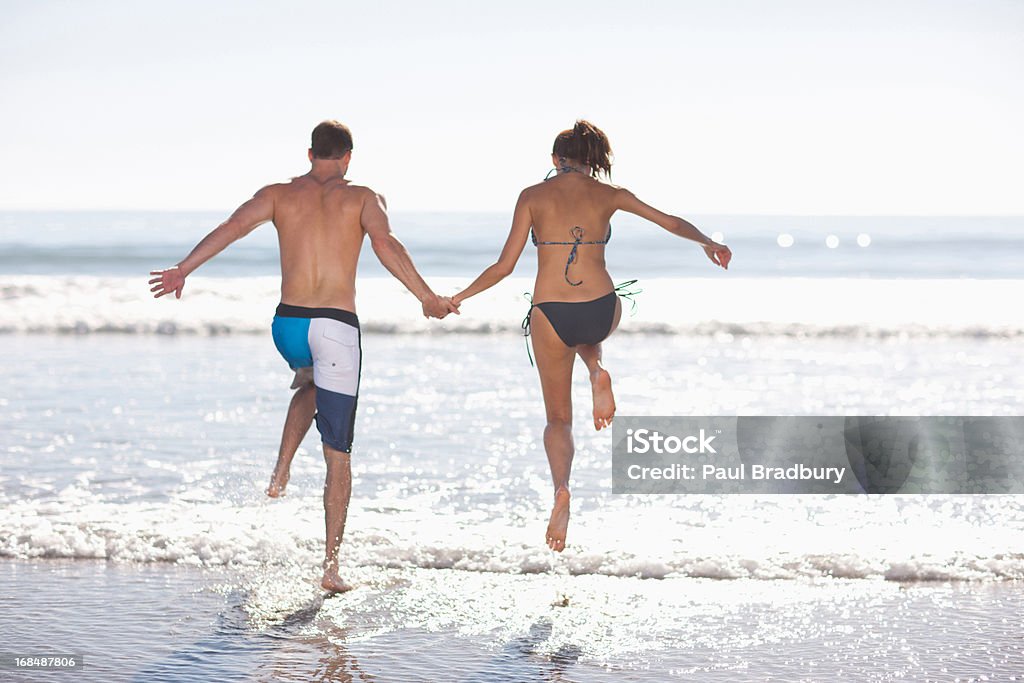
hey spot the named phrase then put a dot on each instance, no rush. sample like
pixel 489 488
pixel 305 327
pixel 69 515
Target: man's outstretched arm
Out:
pixel 244 220
pixel 395 257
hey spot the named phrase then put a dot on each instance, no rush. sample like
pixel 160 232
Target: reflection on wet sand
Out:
pixel 312 650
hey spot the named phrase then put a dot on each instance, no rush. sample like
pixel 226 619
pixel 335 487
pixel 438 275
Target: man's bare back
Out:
pixel 320 233
pixel 320 219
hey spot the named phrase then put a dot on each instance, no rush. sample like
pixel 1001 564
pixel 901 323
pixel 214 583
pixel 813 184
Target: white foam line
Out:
pixel 782 306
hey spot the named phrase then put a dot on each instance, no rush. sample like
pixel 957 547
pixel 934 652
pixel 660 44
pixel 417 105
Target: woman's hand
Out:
pixel 719 254
pixel 438 307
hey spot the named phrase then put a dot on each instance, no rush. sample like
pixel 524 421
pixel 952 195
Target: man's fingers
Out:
pixel 156 279
pixel 157 287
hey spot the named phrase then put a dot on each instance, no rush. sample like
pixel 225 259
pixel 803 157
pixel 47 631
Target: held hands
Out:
pixel 719 254
pixel 167 281
pixel 439 306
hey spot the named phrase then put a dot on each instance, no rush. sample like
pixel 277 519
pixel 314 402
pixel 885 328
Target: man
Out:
pixel 321 219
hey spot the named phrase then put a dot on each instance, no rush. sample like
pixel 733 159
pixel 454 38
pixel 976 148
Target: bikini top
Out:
pixel 577 237
pixel 577 240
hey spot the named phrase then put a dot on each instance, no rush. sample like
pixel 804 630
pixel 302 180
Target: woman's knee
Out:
pixel 559 420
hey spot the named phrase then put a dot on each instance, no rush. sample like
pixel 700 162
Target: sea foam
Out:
pixel 792 307
pixel 271 533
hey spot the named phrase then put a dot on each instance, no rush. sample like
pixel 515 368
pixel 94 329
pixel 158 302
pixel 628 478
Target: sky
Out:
pixel 718 106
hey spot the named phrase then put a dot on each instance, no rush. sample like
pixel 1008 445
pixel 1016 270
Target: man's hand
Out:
pixel 167 281
pixel 439 306
pixel 452 304
pixel 719 254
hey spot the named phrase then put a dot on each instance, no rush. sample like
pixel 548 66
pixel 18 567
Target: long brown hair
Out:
pixel 587 143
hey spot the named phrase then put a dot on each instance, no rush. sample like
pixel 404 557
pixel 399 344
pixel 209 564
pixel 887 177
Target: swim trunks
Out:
pixel 328 341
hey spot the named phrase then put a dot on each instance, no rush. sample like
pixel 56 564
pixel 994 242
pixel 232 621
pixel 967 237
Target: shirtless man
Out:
pixel 321 219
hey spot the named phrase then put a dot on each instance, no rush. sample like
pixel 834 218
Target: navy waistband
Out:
pixel 341 315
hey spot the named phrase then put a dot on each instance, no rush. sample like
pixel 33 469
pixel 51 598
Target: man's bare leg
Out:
pixel 300 417
pixel 337 492
pixel 600 385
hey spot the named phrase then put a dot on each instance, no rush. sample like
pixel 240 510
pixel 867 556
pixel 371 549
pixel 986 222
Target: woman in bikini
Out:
pixel 575 306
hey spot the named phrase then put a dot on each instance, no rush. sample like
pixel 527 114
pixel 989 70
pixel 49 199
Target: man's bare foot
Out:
pixel 277 484
pixel 604 400
pixel 559 522
pixel 332 582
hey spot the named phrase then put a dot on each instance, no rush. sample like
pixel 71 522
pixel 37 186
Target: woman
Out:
pixel 575 306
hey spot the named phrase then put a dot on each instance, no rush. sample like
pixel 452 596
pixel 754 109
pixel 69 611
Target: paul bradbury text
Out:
pixel 794 472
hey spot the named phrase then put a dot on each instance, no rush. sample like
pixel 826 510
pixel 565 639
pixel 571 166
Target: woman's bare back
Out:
pixel 557 206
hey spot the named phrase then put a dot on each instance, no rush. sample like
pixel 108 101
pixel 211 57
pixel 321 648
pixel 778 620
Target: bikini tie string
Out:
pixel 577 239
pixel 526 326
pixel 625 290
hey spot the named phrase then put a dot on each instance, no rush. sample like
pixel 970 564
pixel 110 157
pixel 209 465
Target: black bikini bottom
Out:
pixel 581 322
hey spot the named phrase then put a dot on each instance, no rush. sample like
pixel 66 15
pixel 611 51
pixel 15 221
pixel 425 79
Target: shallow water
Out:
pixel 148 622
pixel 133 470
pixel 158 449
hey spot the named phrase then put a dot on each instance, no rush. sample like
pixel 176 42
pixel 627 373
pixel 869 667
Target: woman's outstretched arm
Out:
pixel 719 254
pixel 510 253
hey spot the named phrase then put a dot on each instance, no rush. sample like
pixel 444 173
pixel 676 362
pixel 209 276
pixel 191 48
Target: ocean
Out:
pixel 137 437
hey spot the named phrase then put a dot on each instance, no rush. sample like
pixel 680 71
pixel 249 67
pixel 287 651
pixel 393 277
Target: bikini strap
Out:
pixel 577 235
pixel 627 292
pixel 526 326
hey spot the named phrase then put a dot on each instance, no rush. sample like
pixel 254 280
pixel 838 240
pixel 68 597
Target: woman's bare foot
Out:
pixel 332 582
pixel 559 522
pixel 604 400
pixel 277 484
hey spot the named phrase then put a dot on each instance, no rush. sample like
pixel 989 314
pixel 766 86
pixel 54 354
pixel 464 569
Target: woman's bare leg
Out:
pixel 600 380
pixel 554 363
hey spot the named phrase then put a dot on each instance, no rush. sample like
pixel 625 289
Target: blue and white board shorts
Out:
pixel 326 340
